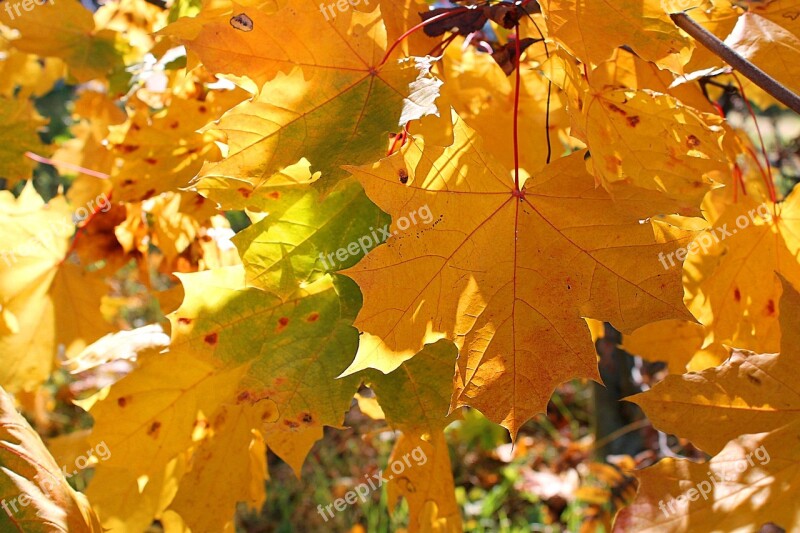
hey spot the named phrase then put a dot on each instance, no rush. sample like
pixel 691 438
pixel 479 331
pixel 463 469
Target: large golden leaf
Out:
pixel 751 402
pixel 508 276
pixel 770 46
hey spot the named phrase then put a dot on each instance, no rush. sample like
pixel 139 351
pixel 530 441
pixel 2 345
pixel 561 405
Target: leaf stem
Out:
pixel 549 91
pixel 422 24
pixel 767 176
pixel 517 55
pixel 47 161
pixel 748 69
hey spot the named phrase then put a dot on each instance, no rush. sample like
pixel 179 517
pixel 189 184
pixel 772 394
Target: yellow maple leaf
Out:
pixel 65 30
pixel 229 401
pixel 331 103
pixel 770 46
pixel 508 276
pixel 52 301
pixel 29 74
pixel 643 137
pixel 483 96
pixel 416 398
pixel 751 403
pixel 728 274
pixel 19 124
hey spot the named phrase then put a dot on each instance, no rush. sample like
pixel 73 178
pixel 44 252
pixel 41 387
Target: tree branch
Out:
pixel 752 72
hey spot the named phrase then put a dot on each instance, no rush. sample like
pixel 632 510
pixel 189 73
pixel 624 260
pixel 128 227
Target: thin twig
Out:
pixel 749 70
pixel 614 435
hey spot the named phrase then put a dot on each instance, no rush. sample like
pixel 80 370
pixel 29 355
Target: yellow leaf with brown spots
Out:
pixel 728 271
pixel 255 371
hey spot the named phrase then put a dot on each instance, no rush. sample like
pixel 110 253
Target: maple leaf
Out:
pixel 650 140
pixel 331 103
pixel 415 399
pixel 162 151
pixel 19 123
pixel 67 30
pixel 728 281
pixel 227 467
pixel 53 302
pixel 770 46
pixel 750 401
pixel 627 70
pixel 33 488
pixel 250 363
pixel 718 17
pixel 26 73
pixel 589 31
pixel 147 419
pixel 507 276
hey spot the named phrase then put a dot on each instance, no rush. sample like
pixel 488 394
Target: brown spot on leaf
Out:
pixel 770 310
pixel 291 423
pixel 127 182
pixel 282 323
pixel 122 401
pixel 616 109
pixel 692 141
pixel 275 195
pixel 243 396
pixel 244 191
pixel 184 320
pixel 151 160
pixel 754 380
pixel 153 430
pixel 737 295
pixel 313 317
pixel 149 194
pixel 127 148
pixel 202 109
pixel 219 420
pixel 174 125
pixel 403 176
pixel 211 339
pixel 633 121
pixel 306 418
pixel 242 22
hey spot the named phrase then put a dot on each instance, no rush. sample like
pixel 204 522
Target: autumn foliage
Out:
pixel 534 170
